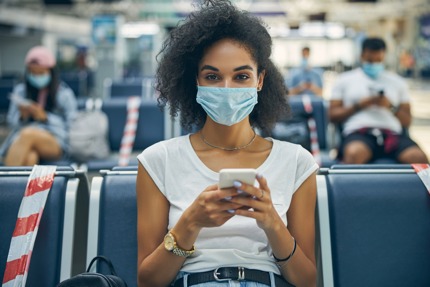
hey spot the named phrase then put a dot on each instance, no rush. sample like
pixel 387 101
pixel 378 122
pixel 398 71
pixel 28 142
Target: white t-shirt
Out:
pixel 181 176
pixel 355 85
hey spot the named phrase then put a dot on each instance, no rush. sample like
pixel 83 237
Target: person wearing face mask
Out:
pixel 39 115
pixel 373 107
pixel 216 74
pixel 305 79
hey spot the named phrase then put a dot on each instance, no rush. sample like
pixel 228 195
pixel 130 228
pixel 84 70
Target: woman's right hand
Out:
pixel 212 207
pixel 25 112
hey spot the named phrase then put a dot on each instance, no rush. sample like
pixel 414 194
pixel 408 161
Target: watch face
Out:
pixel 169 242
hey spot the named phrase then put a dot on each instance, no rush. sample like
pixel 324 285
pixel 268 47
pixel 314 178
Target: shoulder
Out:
pixel 161 150
pixel 296 161
pixel 296 151
pixel 19 89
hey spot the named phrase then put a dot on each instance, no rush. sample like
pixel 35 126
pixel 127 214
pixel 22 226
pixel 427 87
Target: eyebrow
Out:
pixel 212 68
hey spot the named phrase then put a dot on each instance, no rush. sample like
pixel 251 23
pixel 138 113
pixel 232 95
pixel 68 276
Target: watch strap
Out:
pixel 178 250
pixel 182 252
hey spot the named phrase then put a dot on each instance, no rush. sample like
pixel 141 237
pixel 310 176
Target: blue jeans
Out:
pixel 231 283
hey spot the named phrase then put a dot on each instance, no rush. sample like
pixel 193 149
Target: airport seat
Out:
pixel 320 115
pixel 112 228
pixel 60 247
pixel 123 88
pixel 6 87
pixel 374 226
pixel 79 81
pixel 371 166
pixel 150 130
pixel 125 168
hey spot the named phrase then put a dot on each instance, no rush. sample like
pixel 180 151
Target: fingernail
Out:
pixel 237 183
pixel 259 175
pixel 227 198
pixel 240 191
pixel 231 211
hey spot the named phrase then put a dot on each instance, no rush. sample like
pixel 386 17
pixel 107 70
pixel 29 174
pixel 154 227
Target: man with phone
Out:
pixel 305 80
pixel 372 107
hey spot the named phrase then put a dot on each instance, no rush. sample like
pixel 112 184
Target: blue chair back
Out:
pixel 150 127
pixel 319 114
pixel 113 229
pixel 374 226
pixel 126 88
pixel 54 249
pixel 6 87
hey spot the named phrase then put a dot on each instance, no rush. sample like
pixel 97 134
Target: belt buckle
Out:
pixel 240 275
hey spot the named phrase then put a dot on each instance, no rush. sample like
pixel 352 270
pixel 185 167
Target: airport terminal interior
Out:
pixel 107 53
pixel 101 44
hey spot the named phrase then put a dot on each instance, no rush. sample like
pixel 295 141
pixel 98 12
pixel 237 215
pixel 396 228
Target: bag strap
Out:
pixel 313 133
pixel 106 260
pixel 27 224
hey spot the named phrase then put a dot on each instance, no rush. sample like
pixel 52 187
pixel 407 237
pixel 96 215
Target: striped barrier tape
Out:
pixel 423 171
pixel 27 225
pixel 127 141
pixel 315 147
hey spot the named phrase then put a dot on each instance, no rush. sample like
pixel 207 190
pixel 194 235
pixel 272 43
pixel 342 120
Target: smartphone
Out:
pixel 228 175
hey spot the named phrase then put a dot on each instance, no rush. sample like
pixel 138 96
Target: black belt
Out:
pixel 232 273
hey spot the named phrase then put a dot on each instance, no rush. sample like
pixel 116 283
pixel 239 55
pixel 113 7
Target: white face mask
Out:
pixel 227 106
pixel 39 81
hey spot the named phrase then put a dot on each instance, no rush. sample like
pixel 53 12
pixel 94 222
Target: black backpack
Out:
pixel 93 279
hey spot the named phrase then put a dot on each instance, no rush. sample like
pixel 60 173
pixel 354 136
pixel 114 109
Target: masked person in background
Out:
pixel 372 105
pixel 305 79
pixel 216 71
pixel 40 112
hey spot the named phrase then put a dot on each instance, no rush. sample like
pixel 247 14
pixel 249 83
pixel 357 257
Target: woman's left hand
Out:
pixel 260 201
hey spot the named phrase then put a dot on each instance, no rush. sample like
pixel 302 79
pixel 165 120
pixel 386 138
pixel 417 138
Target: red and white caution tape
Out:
pixel 129 135
pixel 315 147
pixel 29 215
pixel 423 171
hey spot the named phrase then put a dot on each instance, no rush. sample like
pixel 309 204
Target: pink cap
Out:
pixel 41 56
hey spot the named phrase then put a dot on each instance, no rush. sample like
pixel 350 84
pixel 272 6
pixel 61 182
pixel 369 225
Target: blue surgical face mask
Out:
pixel 39 81
pixel 373 70
pixel 227 106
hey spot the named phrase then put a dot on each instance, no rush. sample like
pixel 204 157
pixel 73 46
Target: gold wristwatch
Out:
pixel 171 246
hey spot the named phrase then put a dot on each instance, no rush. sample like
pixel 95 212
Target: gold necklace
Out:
pixel 228 148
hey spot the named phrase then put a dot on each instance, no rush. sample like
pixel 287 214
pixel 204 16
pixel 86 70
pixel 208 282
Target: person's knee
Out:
pixel 413 155
pixel 28 135
pixel 356 153
pixel 31 159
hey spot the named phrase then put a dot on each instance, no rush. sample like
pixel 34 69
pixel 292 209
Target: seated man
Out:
pixel 305 79
pixel 373 107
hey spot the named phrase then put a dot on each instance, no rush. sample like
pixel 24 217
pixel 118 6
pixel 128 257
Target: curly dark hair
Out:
pixel 185 46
